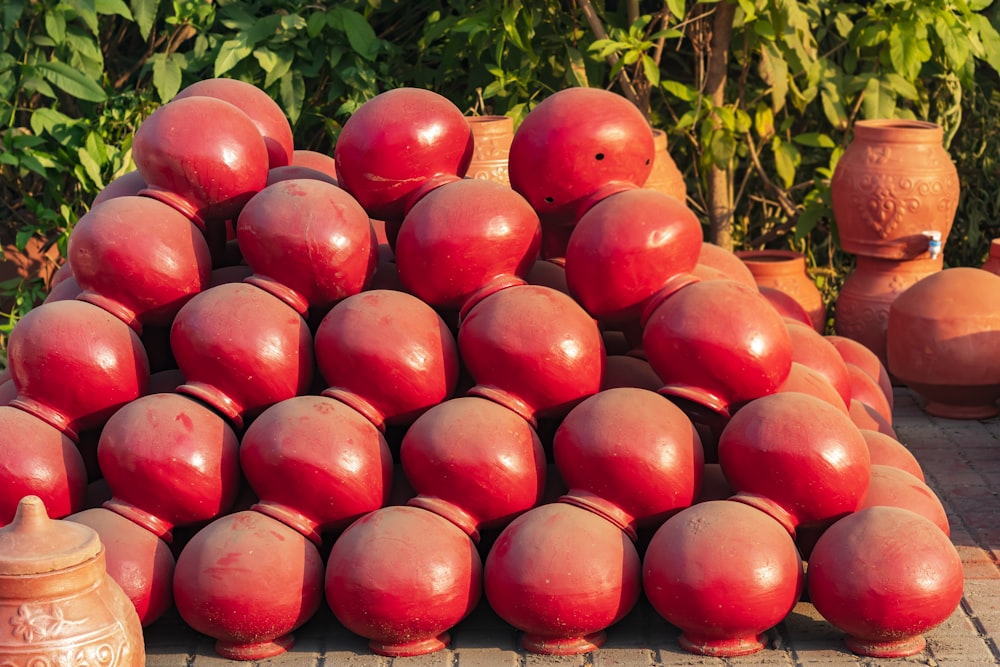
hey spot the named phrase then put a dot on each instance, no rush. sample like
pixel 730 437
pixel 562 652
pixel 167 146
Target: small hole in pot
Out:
pixel 599 156
pixel 648 161
pixel 549 200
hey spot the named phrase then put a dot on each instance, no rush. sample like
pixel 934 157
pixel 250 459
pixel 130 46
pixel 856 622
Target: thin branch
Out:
pixel 787 206
pixel 598 29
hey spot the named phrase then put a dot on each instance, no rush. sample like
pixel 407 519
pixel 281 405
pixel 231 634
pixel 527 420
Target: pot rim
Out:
pixel 902 130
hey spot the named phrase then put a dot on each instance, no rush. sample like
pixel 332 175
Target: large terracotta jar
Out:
pixel 942 336
pixel 492 136
pixel 58 605
pixel 894 182
pixel 862 312
pixel 786 271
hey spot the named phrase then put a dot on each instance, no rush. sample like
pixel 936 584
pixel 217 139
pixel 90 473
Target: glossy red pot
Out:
pixel 723 573
pixel 892 487
pixel 402 577
pixel 128 184
pixel 622 370
pixel 795 457
pixel 241 350
pixel 170 461
pixel 885 575
pixel 865 389
pixel 368 338
pixel 625 248
pixel 465 237
pixel 724 263
pixel 259 106
pixel 806 380
pixel 202 156
pixel 474 462
pixel 589 578
pixel 533 350
pixel 138 259
pixel 886 450
pixel 248 581
pixel 786 271
pixel 812 349
pixel 421 125
pixel 856 353
pixel 74 365
pixel 315 464
pixel 321 162
pixel 309 243
pixel 865 416
pixel 786 306
pixel 630 456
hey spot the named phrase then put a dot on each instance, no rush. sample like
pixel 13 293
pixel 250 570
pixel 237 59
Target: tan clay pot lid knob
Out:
pixel 35 544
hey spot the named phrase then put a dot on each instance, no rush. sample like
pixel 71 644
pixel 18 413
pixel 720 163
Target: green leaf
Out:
pixel 901 86
pixel 293 92
pixel 285 57
pixel 576 73
pixel 763 121
pixel 166 76
pixel 833 107
pixel 773 70
pixel 749 10
pixel 144 12
pixel 90 167
pixel 360 35
pixel 315 24
pixel 262 29
pixel 813 212
pixel 814 139
pixel 989 38
pixel 231 53
pixel 679 90
pixel 956 45
pixel 905 50
pixel 109 7
pixel 651 70
pixel 12 10
pixel 878 101
pixel 87 11
pixel 722 148
pixel 786 160
pixel 55 26
pixel 71 81
pixel 677 8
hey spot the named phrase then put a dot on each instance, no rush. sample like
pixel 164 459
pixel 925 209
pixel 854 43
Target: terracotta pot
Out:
pixel 894 182
pixel 621 370
pixel 865 298
pixel 865 416
pixel 786 305
pixel 885 575
pixel 866 390
pixel 892 487
pixel 265 113
pixel 138 259
pixel 795 457
pixel 724 573
pixel 665 176
pixel 380 334
pixel 725 263
pixel 291 172
pixel 812 349
pixel 402 577
pixel 806 380
pixel 589 579
pixel 492 136
pixel 201 155
pixel 940 340
pixel 475 463
pixel 422 125
pixel 128 184
pixel 58 602
pixel 786 271
pixel 321 162
pixel 992 263
pixel 886 450
pixel 248 581
pixel 315 464
pixel 861 356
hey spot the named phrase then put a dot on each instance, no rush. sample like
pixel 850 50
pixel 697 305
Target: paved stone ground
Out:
pixel 961 460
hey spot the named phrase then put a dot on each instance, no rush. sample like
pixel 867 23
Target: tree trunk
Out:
pixel 720 190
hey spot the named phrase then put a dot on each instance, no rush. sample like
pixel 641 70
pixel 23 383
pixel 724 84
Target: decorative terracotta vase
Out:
pixel 249 581
pixel 309 243
pixel 202 156
pixel 940 340
pixel 723 573
pixel 786 271
pixel 492 136
pixel 265 113
pixel 864 300
pixel 401 577
pixel 795 457
pixel 138 259
pixel 665 176
pixel 588 580
pixel 533 350
pixel 60 606
pixel 315 464
pixel 888 451
pixel 811 349
pixel 380 334
pixel 894 182
pixel 885 575
pixel 422 125
pixel 892 487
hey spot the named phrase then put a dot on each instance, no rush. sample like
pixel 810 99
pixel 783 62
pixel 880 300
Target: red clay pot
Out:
pixel 806 380
pixel 892 487
pixel 127 185
pixel 856 353
pixel 786 271
pixel 886 450
pixel 724 264
pixel 812 349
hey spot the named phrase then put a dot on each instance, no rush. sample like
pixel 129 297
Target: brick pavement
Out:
pixel 961 460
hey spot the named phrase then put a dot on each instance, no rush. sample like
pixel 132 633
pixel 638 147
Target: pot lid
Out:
pixel 35 544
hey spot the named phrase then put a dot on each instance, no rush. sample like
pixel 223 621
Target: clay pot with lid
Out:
pixel 58 604
pixel 786 271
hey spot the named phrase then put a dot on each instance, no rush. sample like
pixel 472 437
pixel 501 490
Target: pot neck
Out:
pixel 154 524
pixel 449 511
pixel 603 508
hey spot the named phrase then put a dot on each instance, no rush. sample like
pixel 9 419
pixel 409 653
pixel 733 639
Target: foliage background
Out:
pixel 758 96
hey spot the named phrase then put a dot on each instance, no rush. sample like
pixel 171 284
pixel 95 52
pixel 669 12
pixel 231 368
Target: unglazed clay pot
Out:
pixel 812 349
pixel 474 462
pixel 128 184
pixel 941 337
pixel 786 271
pixel 992 263
pixel 424 126
pixel 588 580
pixel 379 334
pixel 532 349
pixel 866 390
pixel 321 162
pixel 889 451
pixel 865 298
pixel 315 464
pixel 249 581
pixel 401 577
pixel 58 604
pixel 786 306
pixel 270 359
pixel 665 176
pixel 138 259
pixel 265 113
pixel 806 380
pixel 724 573
pixel 201 155
pixel 894 182
pixel 75 364
pixel 630 456
pixel 892 487
pixel 309 243
pixel 623 370
pixel 492 136
pixel 858 354
pixel 885 575
pixel 795 457
pixel 725 263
